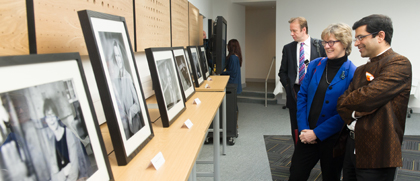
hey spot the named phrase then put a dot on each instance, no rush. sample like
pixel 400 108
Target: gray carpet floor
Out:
pixel 247 159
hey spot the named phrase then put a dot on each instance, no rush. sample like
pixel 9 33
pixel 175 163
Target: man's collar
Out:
pixel 378 57
pixel 307 41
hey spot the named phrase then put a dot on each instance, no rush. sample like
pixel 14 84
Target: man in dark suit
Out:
pixel 374 106
pixel 308 50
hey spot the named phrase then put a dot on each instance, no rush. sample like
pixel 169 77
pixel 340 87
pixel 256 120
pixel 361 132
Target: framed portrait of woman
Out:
pixel 48 126
pixel 195 65
pixel 183 71
pixel 167 84
pixel 118 82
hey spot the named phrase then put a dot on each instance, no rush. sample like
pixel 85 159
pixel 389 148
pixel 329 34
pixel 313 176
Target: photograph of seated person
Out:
pixel 126 95
pixel 67 155
pixel 319 124
pixel 169 84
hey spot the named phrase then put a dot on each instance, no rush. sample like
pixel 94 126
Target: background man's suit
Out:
pixel 288 73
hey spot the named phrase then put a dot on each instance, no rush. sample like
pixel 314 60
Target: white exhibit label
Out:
pixel 158 160
pixel 197 101
pixel 188 123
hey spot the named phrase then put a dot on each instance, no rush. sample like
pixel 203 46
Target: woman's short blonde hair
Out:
pixel 342 33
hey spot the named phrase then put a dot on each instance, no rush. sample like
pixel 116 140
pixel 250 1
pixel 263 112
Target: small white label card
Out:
pixel 207 86
pixel 158 160
pixel 197 101
pixel 188 124
pixel 209 79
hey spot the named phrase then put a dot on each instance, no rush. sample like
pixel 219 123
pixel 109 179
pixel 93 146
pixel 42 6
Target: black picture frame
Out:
pixel 169 94
pixel 204 63
pixel 118 82
pixel 45 98
pixel 184 71
pixel 198 75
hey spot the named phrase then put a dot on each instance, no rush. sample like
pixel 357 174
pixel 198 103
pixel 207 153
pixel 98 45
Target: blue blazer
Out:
pixel 329 122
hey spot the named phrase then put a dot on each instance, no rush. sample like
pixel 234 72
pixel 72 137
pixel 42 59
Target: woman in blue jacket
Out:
pixel 234 64
pixel 318 121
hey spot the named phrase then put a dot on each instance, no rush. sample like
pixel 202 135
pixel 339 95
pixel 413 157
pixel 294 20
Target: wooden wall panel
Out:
pixel 58 28
pixel 193 25
pixel 13 28
pixel 153 24
pixel 200 29
pixel 179 23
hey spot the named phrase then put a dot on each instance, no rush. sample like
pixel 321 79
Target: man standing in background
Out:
pixel 296 55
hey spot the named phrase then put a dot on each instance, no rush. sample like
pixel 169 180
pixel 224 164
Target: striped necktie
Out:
pixel 301 63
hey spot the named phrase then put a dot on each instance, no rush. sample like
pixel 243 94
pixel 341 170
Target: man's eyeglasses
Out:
pixel 330 43
pixel 360 37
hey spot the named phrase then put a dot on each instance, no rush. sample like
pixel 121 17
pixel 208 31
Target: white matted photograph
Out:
pixel 118 81
pixel 184 72
pixel 48 127
pixel 195 65
pixel 167 84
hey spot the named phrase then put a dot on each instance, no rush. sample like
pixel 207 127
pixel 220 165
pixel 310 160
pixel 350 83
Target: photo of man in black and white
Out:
pixel 167 77
pixel 125 92
pixel 184 73
pixel 43 140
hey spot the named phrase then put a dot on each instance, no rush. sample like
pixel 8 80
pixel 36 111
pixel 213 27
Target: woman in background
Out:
pixel 233 64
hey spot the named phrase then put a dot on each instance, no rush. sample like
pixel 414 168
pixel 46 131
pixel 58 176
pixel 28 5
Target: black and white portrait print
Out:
pixel 184 72
pixel 43 134
pixel 196 64
pixel 121 76
pixel 168 82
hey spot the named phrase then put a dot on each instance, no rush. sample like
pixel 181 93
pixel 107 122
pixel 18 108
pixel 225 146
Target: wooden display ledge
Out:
pixel 218 84
pixel 180 146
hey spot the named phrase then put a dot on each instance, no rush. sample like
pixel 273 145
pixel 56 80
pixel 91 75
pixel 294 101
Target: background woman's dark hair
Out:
pixel 234 49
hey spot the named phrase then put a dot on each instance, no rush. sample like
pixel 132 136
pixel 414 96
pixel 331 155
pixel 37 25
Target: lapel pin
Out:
pixel 343 75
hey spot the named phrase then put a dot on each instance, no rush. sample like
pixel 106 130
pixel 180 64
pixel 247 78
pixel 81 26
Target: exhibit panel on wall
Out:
pixel 56 26
pixel 195 65
pixel 179 23
pixel 153 24
pixel 184 72
pixel 48 127
pixel 193 25
pixel 118 81
pixel 168 89
pixel 14 29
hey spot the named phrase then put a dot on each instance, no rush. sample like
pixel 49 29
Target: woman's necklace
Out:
pixel 326 74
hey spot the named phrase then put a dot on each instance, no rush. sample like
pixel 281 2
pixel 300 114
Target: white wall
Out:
pixel 235 17
pixel 261 43
pixel 321 13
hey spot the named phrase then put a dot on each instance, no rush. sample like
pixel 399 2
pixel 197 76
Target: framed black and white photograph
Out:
pixel 118 81
pixel 166 82
pixel 189 64
pixel 204 63
pixel 48 126
pixel 184 72
pixel 195 65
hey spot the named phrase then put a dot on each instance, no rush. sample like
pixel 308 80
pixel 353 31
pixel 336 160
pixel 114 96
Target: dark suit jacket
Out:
pixel 378 136
pixel 288 68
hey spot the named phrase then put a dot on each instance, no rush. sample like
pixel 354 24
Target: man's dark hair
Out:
pixel 375 23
